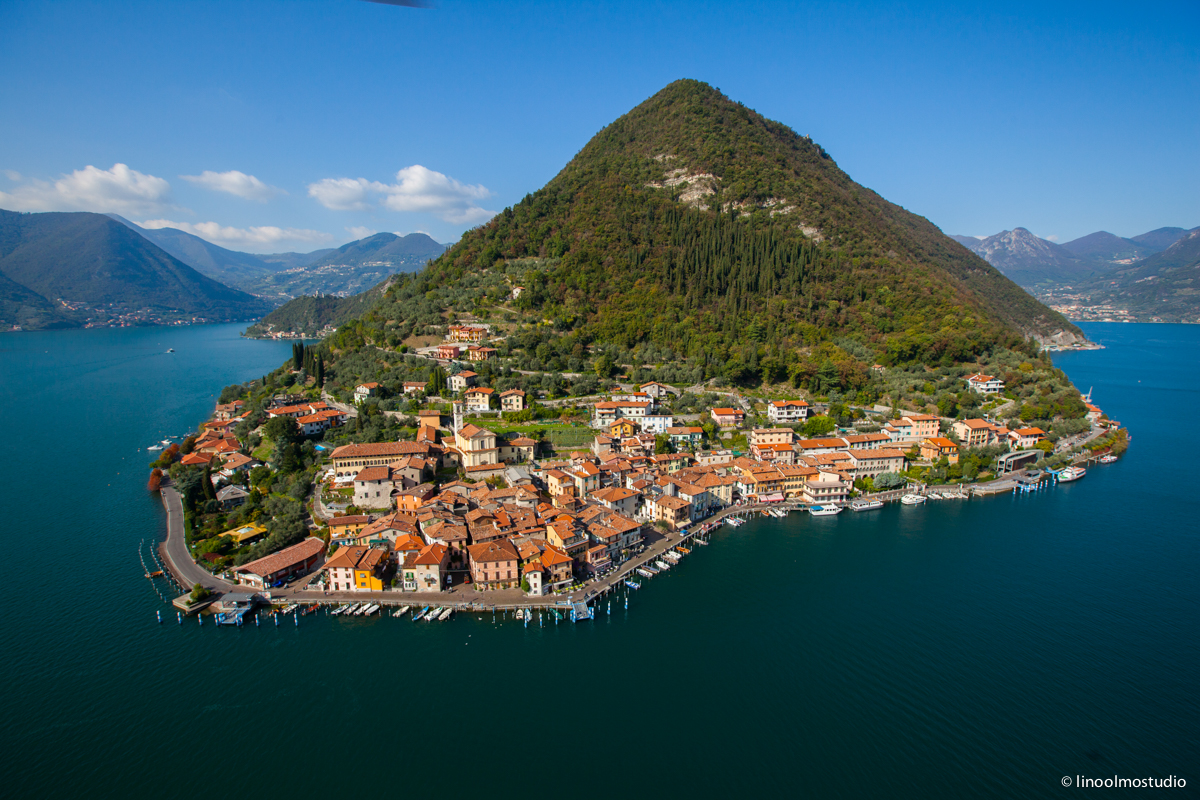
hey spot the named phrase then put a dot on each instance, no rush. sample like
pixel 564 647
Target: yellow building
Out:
pixel 356 569
pixel 245 534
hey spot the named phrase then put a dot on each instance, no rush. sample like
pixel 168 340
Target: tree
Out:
pixel 198 593
pixel 605 366
pixel 818 426
pixel 662 444
pixel 437 382
pixel 155 479
pixel 282 429
pixel 890 480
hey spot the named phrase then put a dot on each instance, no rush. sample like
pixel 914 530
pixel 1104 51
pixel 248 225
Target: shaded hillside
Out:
pixel 1108 248
pixel 94 262
pixel 309 315
pixel 411 250
pixel 1159 239
pixel 231 267
pixel 1165 286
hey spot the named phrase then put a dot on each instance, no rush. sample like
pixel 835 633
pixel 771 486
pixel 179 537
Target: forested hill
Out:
pixel 100 268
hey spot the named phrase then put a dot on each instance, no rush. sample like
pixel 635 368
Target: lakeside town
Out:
pixel 463 499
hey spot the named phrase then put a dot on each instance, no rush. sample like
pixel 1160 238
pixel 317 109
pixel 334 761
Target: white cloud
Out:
pixel 361 232
pixel 236 183
pixel 417 189
pixel 12 174
pixel 260 238
pixel 1051 238
pixel 118 190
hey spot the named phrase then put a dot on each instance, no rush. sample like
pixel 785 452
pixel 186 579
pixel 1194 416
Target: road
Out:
pixel 175 550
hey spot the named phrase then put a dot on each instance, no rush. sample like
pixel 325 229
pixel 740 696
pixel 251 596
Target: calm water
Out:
pixel 981 649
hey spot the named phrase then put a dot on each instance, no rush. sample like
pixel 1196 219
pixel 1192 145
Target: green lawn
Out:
pixel 264 450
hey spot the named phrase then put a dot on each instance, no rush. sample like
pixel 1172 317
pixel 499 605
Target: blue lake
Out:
pixel 962 649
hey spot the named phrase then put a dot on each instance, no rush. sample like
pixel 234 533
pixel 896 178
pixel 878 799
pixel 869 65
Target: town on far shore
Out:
pixel 463 492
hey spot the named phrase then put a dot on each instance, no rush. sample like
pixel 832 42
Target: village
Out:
pixel 460 510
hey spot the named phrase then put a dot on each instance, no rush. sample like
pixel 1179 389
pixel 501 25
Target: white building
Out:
pixel 787 411
pixel 657 423
pixel 985 384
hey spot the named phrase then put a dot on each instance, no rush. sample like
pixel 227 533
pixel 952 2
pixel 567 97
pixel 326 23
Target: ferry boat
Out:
pixel 912 500
pixel 1071 474
pixel 824 511
pixel 865 505
pixel 1108 459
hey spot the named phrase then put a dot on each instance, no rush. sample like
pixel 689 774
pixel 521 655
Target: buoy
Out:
pixel 159 613
pixel 276 616
pixel 256 620
pixel 626 602
pixel 297 618
pixel 199 618
pixel 179 616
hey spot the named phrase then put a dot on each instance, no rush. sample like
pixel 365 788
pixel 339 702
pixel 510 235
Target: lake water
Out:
pixel 962 649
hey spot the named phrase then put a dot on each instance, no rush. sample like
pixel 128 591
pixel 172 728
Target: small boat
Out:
pixel 1108 459
pixel 661 564
pixel 865 505
pixel 632 585
pixel 824 511
pixel 684 550
pixel 155 447
pixel 337 611
pixel 371 609
pixel 672 556
pixel 912 499
pixel 934 496
pixel 1071 474
pixel 445 615
pixel 433 615
pixel 701 541
pixel 401 611
pixel 645 572
pixel 170 349
pixel 421 613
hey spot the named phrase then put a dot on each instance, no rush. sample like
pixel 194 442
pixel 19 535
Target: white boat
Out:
pixel 400 612
pixel 645 573
pixel 865 505
pixel 824 511
pixel 445 615
pixel 662 564
pixel 432 615
pixel 1071 474
pixel 934 496
pixel 672 555
pixel 337 611
pixel 371 609
pixel 912 500
pixel 155 447
pixel 1108 459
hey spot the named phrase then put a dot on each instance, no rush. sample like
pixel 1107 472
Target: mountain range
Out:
pixel 1034 262
pixel 278 277
pixel 72 269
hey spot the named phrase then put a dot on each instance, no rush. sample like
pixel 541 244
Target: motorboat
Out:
pixel 865 505
pixel 824 511
pixel 400 612
pixel 1071 474
pixel 1108 459
pixel 912 499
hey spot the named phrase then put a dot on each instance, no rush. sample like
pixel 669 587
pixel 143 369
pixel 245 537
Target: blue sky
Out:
pixel 269 126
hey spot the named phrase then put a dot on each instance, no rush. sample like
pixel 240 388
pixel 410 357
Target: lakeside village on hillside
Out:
pixel 451 504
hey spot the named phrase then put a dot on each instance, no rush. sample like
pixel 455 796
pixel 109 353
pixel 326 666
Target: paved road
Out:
pixel 175 551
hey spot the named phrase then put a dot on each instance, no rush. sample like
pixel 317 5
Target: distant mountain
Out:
pixel 352 268
pixel 1164 286
pixel 1159 239
pixel 91 269
pixel 1109 248
pixel 230 267
pixel 1030 260
pixel 295 260
pixel 308 316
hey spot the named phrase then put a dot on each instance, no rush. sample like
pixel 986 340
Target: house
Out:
pixel 349 459
pixel 975 432
pixel 674 511
pixel 924 426
pixel 414 387
pixel 900 430
pixel 933 448
pixel 772 444
pixel 314 424
pixel 812 447
pixel 467 333
pixel 657 423
pixel 518 449
pixel 566 535
pixel 343 526
pixel 365 390
pixel 246 534
pixel 231 497
pixel 427 568
pixel 512 400
pixel 686 436
pixel 357 569
pixel 290 562
pixel 481 353
pixel 479 399
pixel 871 463
pixel 787 411
pixel 609 411
pixel 494 564
pixel 826 488
pixel 623 428
pixel 476 445
pixel 461 381
pixel 618 499
pixel 448 352
pixel 984 384
pixel 1020 439
pixel 373 487
pixel 728 417
pixel 656 390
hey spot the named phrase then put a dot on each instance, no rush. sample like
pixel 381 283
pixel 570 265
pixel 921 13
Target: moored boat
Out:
pixel 1071 474
pixel 824 511
pixel 865 505
pixel 1108 459
pixel 912 499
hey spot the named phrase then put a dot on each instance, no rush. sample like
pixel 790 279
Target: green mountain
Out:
pixel 1165 286
pixel 695 224
pixel 385 248
pixel 90 269
pixel 309 315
